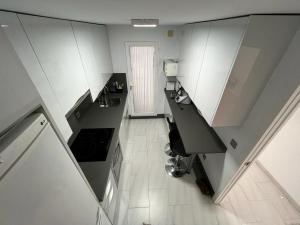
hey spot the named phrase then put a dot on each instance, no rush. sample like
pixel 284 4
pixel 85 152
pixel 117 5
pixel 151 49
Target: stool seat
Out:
pixel 178 148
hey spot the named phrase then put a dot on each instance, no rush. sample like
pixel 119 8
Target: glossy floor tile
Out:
pixel 138 216
pixel 256 199
pixel 156 198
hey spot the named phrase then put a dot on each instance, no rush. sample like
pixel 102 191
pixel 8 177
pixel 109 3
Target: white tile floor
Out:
pixel 156 198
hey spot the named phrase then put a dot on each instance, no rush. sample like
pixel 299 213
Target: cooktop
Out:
pixel 92 144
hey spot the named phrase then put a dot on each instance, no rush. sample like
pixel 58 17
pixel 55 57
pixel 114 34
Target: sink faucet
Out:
pixel 104 97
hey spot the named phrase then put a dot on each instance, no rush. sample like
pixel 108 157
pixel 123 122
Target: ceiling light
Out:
pixel 144 22
pixel 4 25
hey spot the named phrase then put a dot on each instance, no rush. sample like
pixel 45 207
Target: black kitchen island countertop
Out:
pixel 94 116
pixel 197 136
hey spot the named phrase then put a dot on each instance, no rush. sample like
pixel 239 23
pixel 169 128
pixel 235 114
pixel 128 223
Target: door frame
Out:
pixel 273 128
pixel 130 85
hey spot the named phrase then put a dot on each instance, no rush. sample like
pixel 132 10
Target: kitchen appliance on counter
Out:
pixel 116 87
pixel 182 97
pixel 92 144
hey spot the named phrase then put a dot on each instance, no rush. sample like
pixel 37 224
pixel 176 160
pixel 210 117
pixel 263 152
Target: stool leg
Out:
pixel 190 165
pixel 177 169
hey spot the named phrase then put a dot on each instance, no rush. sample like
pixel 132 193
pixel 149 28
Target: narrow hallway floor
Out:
pixel 154 197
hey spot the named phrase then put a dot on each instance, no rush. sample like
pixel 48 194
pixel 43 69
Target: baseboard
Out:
pixel 148 117
pixel 289 198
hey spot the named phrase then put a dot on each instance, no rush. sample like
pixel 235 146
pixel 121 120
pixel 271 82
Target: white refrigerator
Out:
pixel 39 182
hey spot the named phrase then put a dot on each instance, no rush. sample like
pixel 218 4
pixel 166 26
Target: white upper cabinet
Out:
pixel 197 51
pixel 221 49
pixel 17 93
pixel 184 61
pixel 18 39
pixel 54 44
pixel 94 49
pixel 225 64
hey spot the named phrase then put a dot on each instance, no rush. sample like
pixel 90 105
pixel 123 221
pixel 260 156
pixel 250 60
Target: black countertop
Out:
pixel 94 116
pixel 197 136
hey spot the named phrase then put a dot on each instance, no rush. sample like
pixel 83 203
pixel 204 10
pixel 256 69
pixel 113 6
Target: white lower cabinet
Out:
pixel 102 218
pixel 123 133
pixel 110 198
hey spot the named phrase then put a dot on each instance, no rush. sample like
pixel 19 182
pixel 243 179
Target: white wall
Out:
pixel 286 77
pixel 168 48
pixel 281 156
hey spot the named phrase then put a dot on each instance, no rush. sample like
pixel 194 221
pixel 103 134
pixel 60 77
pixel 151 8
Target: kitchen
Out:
pixel 170 142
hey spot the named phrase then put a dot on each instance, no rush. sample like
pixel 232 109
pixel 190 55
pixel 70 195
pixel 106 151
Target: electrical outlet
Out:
pixel 233 143
pixel 170 33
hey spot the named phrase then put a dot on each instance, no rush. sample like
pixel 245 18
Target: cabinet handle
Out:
pixel 97 219
pixel 100 219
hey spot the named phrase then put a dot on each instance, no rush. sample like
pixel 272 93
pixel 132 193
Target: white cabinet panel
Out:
pixel 45 187
pixel 110 198
pixel 54 44
pixel 21 45
pixel 94 50
pixel 197 51
pixel 222 47
pixel 124 128
pixel 103 220
pixel 17 93
pixel 184 61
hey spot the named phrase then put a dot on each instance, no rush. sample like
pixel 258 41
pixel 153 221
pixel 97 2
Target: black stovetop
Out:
pixel 92 144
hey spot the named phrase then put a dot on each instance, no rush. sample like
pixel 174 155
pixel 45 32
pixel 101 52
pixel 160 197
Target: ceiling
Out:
pixel 169 12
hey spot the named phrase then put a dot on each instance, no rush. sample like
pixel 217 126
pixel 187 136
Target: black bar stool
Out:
pixel 173 135
pixel 177 166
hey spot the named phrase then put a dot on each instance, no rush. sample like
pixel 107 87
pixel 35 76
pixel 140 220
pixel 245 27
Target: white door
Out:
pixel 141 67
pixel 44 187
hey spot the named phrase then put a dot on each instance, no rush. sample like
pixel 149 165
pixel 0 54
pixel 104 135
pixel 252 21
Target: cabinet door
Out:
pixel 17 37
pixel 197 50
pixel 110 197
pixel 124 129
pixel 17 93
pixel 94 50
pixel 45 187
pixel 54 44
pixel 222 47
pixel 103 219
pixel 185 51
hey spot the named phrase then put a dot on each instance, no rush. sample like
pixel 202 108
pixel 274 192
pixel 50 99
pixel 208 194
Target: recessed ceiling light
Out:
pixel 144 22
pixel 4 25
